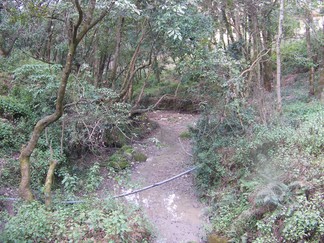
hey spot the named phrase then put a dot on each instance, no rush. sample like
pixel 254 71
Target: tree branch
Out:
pixel 156 184
pixel 255 62
pixel 95 22
pixel 77 25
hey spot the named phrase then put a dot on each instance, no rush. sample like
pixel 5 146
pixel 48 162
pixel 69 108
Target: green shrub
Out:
pixel 118 162
pixel 10 172
pixel 99 221
pixel 4 80
pixel 260 165
pixel 294 57
pixel 36 72
pixel 40 163
pixel 94 178
pixel 6 135
pixel 227 210
pixel 12 108
pixel 301 220
pixel 12 136
pixel 304 219
pixel 37 84
pixel 185 135
pixel 70 181
pixel 139 157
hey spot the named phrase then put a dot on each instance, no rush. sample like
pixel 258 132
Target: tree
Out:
pixel 10 28
pixel 310 55
pixel 279 38
pixel 119 29
pixel 86 19
pixel 248 28
pixel 321 78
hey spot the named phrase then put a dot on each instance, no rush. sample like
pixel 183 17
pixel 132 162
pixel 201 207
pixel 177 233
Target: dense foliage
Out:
pixel 97 66
pixel 90 221
pixel 264 183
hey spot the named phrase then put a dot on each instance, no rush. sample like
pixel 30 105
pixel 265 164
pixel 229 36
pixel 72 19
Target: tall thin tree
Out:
pixel 279 38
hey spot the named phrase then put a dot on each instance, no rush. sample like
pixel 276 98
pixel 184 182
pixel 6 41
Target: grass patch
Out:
pixel 185 135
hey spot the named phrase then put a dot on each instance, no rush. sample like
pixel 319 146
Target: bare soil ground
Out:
pixel 172 208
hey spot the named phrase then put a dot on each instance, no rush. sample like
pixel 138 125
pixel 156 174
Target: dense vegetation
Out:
pixel 268 181
pixel 76 78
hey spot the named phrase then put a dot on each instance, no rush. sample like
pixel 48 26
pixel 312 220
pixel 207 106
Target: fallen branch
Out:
pixel 124 194
pixel 9 199
pixel 140 111
pixel 156 184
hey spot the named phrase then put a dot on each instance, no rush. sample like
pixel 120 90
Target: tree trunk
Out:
pixel 267 72
pixel 100 69
pixel 156 69
pixel 24 188
pixel 279 38
pixel 47 42
pixel 119 30
pixel 228 27
pixel 5 52
pixel 49 182
pixel 74 39
pixel 321 85
pixel 126 89
pixel 321 78
pixel 266 60
pixel 308 23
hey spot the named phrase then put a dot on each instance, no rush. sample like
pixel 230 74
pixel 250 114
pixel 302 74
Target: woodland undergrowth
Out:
pixel 81 142
pixel 263 178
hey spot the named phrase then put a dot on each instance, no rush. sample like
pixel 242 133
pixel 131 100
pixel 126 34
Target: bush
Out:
pixel 10 172
pixel 40 163
pixel 301 220
pixel 260 166
pixel 294 57
pixel 93 178
pixel 12 108
pixel 99 221
pixel 6 135
pixel 12 136
pixel 38 83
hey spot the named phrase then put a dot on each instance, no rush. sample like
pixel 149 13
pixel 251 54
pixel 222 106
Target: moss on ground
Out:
pixel 124 157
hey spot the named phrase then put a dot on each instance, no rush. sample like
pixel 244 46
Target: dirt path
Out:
pixel 172 208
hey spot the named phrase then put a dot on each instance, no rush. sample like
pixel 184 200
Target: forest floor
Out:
pixel 172 208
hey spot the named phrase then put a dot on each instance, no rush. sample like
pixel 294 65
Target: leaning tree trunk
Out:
pixel 126 90
pixel 75 37
pixel 24 188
